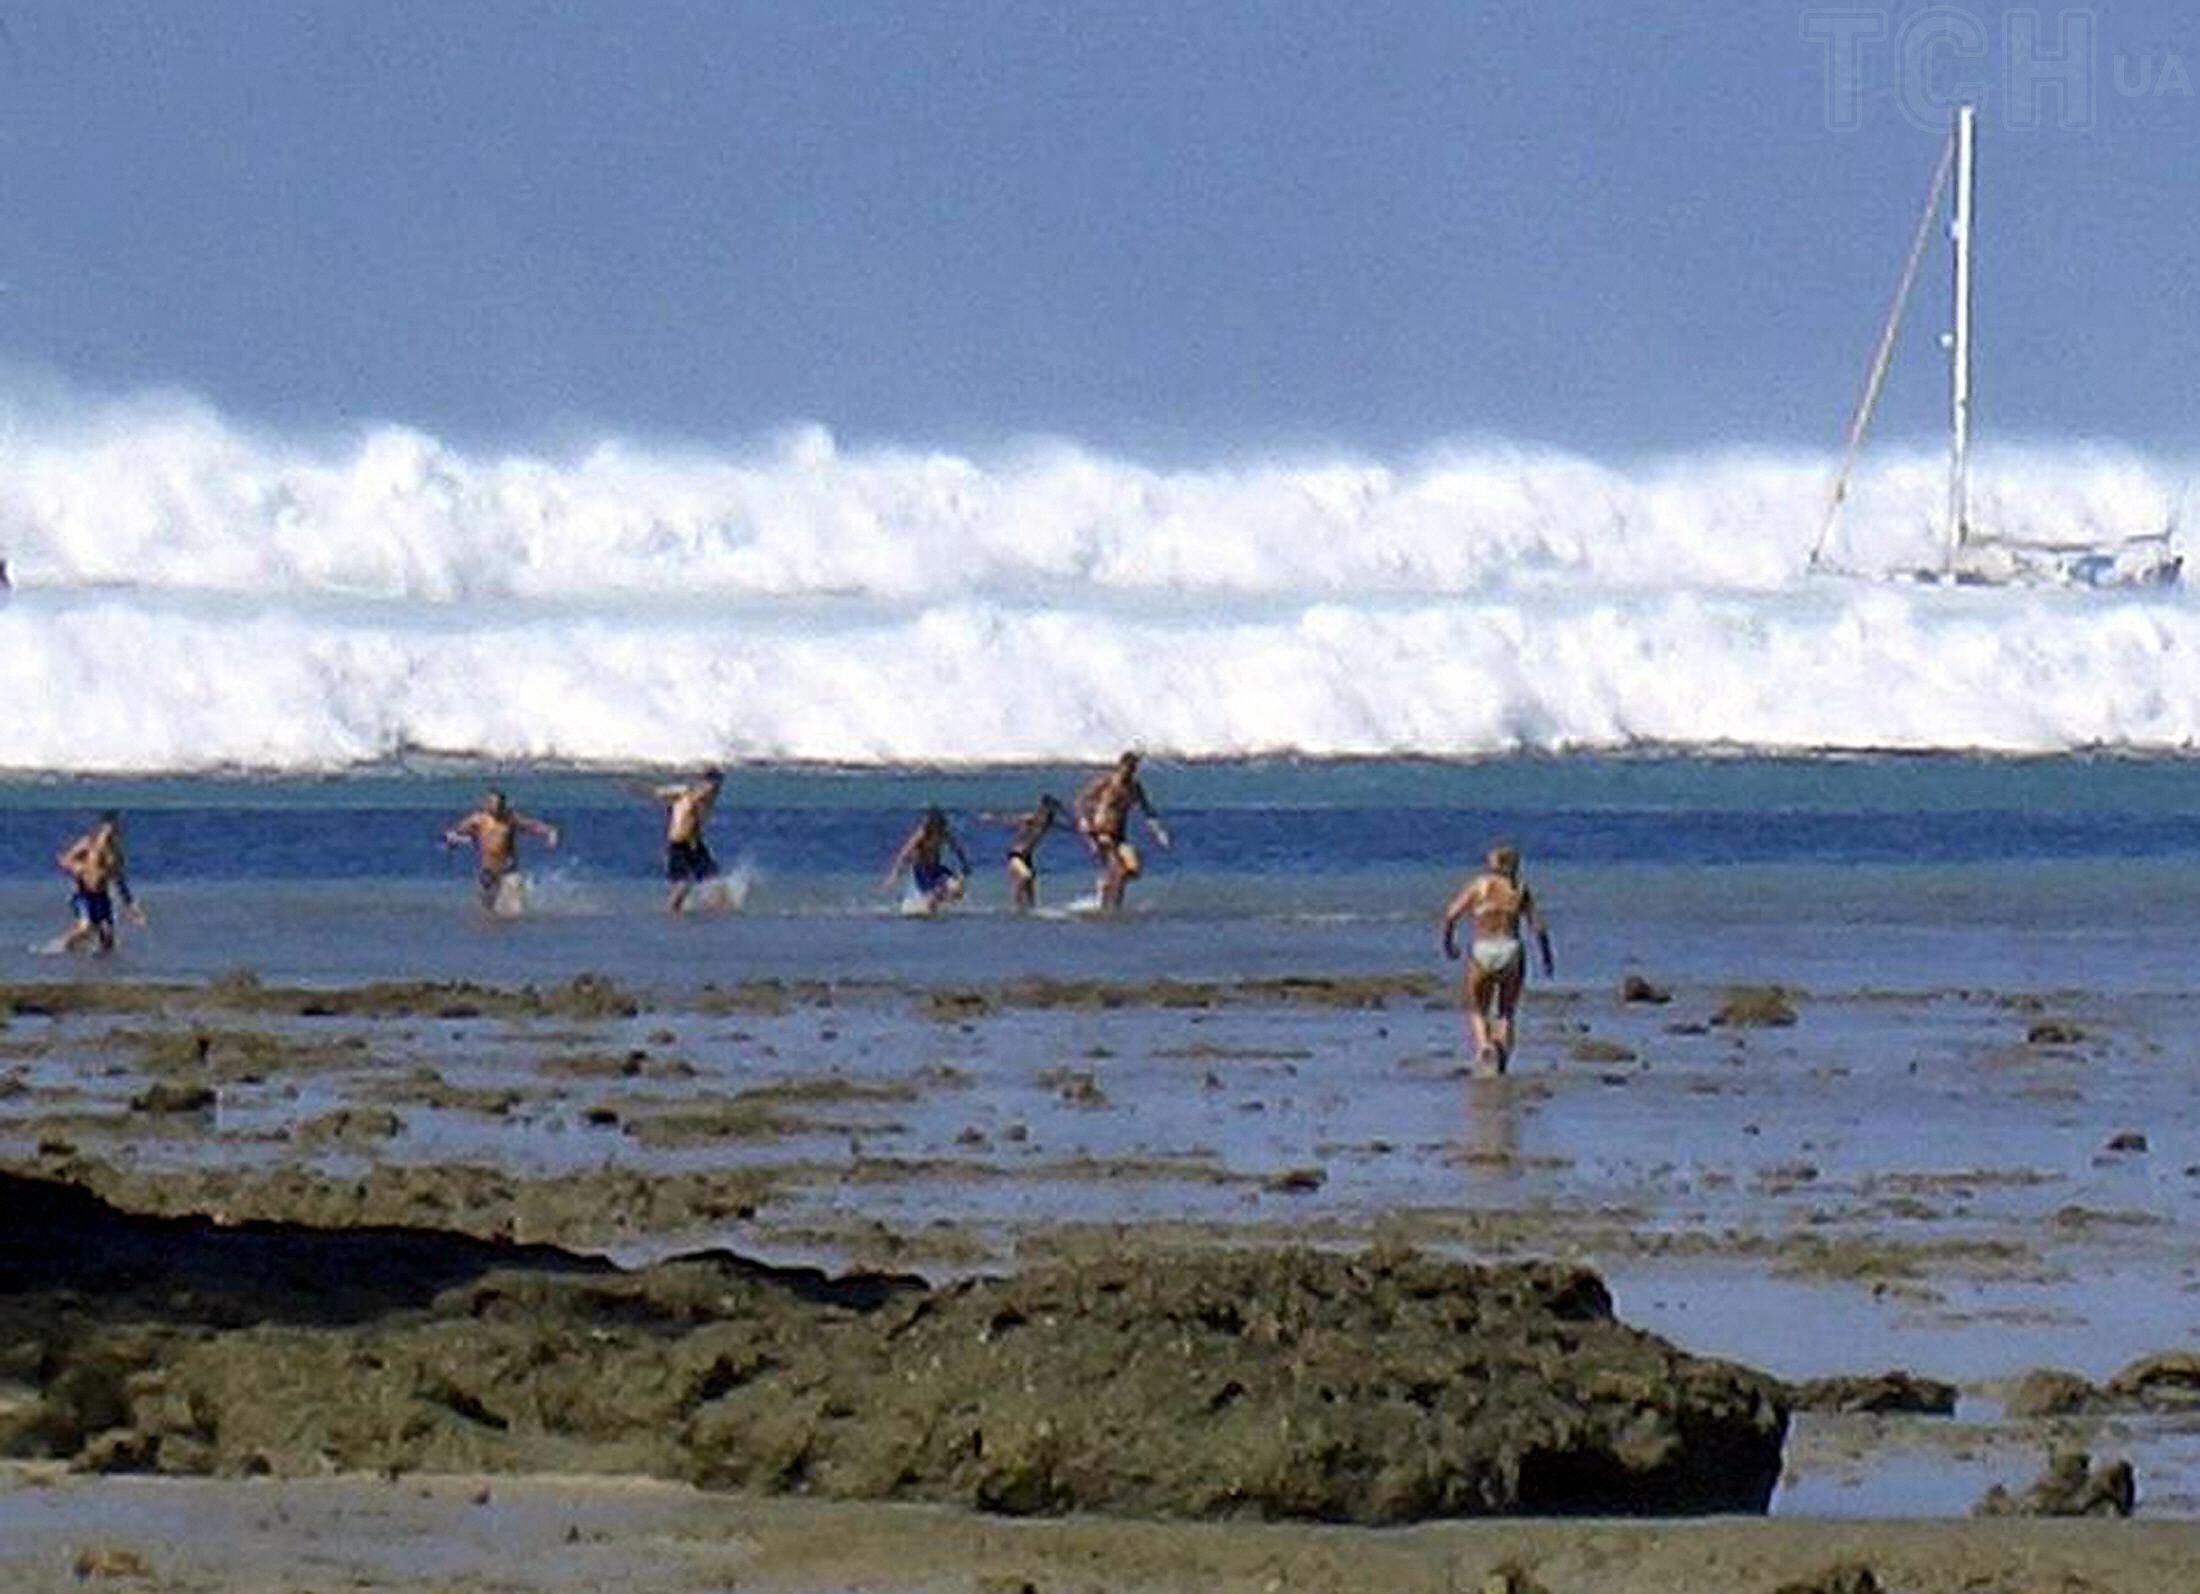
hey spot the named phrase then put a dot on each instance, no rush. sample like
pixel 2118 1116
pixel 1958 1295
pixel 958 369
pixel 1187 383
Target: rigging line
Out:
pixel 1884 355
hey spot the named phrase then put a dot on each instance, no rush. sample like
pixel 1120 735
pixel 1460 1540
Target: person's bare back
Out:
pixel 689 812
pixel 688 860
pixel 1494 905
pixel 1499 906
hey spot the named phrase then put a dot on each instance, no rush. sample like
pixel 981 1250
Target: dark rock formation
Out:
pixel 2169 1381
pixel 1877 1393
pixel 1379 1388
pixel 2052 1392
pixel 2070 1487
pixel 1756 1007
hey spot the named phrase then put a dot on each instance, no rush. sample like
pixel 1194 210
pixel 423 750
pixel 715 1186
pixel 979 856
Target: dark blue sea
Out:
pixel 1847 873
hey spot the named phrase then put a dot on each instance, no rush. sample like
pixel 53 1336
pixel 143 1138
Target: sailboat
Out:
pixel 1971 555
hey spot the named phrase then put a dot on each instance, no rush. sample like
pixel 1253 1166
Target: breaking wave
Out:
pixel 192 595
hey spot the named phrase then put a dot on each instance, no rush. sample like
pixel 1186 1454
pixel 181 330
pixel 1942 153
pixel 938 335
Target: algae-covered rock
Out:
pixel 1376 1388
pixel 2053 1032
pixel 1756 1007
pixel 1877 1394
pixel 163 1096
pixel 351 1126
pixel 1384 1387
pixel 2051 1392
pixel 2169 1381
pixel 2070 1487
pixel 1595 1049
pixel 582 1207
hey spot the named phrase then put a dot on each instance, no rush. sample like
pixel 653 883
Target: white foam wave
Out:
pixel 307 608
pixel 109 684
pixel 168 495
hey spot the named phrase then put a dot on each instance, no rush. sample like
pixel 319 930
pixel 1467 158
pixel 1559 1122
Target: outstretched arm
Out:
pixel 122 889
pixel 1455 910
pixel 537 827
pixel 463 831
pixel 1153 816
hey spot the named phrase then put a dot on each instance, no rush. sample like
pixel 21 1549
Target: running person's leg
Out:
pixel 1481 989
pixel 1118 865
pixel 1509 986
pixel 100 906
pixel 687 865
pixel 1496 965
pixel 95 921
pixel 935 883
pixel 675 876
pixel 80 924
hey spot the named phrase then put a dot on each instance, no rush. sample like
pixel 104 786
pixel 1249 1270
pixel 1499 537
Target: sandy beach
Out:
pixel 472 1535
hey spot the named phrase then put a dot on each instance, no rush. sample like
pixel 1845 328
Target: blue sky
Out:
pixel 1174 227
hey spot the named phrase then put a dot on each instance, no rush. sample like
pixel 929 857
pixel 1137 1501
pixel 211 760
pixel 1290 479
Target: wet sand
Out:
pixel 1971 1185
pixel 460 1535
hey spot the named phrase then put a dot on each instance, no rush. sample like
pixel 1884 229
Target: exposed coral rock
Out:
pixel 1378 1388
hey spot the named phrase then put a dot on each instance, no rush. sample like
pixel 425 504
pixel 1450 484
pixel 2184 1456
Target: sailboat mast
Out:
pixel 1959 361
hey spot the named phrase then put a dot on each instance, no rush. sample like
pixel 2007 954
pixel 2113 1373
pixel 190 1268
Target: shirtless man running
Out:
pixel 1103 815
pixel 688 862
pixel 1498 904
pixel 1031 829
pixel 94 863
pixel 494 829
pixel 920 855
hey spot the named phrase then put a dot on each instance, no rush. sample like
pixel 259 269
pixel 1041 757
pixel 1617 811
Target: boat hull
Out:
pixel 2138 562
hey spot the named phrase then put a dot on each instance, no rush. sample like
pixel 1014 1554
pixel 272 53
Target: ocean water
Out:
pixel 1836 874
pixel 294 659
pixel 1905 897
pixel 196 596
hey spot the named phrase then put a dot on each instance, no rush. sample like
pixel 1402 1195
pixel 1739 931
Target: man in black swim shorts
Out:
pixel 688 862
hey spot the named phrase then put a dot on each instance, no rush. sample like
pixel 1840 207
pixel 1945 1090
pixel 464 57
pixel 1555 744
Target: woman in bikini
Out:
pixel 1499 905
